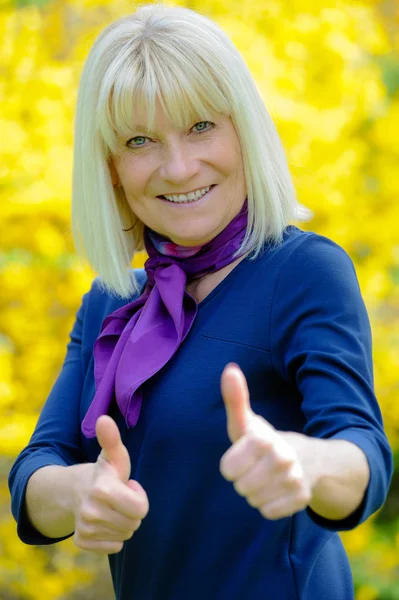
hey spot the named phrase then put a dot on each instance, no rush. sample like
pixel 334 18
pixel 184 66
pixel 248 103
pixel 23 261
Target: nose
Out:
pixel 179 165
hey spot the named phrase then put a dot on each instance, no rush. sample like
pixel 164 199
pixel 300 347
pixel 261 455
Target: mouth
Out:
pixel 189 202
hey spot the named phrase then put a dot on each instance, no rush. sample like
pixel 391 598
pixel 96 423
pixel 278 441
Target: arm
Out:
pixel 49 500
pixel 341 472
pixel 55 444
pixel 322 345
pixel 342 481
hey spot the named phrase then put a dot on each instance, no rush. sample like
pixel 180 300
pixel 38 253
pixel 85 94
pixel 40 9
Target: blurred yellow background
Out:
pixel 329 75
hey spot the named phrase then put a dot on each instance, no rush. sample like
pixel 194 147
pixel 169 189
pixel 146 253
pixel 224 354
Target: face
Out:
pixel 170 161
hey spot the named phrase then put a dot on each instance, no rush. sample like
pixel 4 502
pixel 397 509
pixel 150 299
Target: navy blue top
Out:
pixel 295 322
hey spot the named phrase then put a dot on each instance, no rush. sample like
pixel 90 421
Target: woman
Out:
pixel 198 477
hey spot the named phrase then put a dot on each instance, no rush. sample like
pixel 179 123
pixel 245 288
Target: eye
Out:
pixel 138 137
pixel 211 125
pixel 142 137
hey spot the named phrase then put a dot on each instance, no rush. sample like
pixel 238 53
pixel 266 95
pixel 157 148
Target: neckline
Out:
pixel 221 284
pixel 288 230
pixel 286 234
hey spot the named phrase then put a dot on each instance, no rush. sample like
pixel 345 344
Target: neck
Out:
pixel 201 287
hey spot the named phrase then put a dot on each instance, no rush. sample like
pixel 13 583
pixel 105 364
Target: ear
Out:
pixel 113 172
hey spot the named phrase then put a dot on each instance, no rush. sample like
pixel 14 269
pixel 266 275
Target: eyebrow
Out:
pixel 142 128
pixel 139 126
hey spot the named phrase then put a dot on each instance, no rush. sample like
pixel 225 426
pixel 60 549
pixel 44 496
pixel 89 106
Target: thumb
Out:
pixel 235 394
pixel 113 450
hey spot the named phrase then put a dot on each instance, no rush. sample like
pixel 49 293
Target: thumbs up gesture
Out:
pixel 262 463
pixel 109 506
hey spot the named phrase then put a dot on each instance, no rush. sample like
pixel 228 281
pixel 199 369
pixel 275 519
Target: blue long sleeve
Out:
pixel 55 440
pixel 325 350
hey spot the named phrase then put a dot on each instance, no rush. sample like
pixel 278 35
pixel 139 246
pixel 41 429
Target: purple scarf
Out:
pixel 138 339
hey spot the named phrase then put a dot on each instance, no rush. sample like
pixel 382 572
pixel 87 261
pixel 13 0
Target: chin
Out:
pixel 190 242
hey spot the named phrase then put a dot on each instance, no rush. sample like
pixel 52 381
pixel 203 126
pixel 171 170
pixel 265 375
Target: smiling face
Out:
pixel 172 161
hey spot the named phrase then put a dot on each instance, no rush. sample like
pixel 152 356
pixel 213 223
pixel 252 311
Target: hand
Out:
pixel 262 464
pixel 109 506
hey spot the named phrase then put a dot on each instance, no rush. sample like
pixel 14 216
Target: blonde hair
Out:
pixel 190 64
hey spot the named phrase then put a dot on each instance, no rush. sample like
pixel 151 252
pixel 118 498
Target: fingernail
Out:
pixel 232 364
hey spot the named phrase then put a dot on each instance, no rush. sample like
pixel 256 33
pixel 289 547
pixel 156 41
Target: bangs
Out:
pixel 187 90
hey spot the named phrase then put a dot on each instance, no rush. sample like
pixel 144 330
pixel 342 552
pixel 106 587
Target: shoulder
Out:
pixel 100 302
pixel 317 274
pixel 308 255
pixel 97 304
pixel 304 256
pixel 300 245
pixel 98 289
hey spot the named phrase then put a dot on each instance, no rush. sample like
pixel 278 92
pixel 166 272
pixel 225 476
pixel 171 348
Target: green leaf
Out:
pixel 389 66
pixel 25 3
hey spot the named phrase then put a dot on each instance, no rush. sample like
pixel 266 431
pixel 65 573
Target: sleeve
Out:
pixel 322 344
pixel 55 440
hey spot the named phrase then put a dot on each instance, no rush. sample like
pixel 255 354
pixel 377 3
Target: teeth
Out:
pixel 190 197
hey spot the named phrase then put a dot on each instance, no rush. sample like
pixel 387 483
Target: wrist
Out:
pixel 342 479
pixel 80 477
pixel 311 454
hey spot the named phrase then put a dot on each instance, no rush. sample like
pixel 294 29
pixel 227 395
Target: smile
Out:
pixel 191 198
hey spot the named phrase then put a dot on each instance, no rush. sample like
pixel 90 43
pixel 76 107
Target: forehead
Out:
pixel 141 118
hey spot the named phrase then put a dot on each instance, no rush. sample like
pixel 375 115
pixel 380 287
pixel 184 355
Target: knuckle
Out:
pixel 143 511
pixel 87 547
pixel 86 531
pixel 273 511
pixel 76 537
pixel 252 502
pixel 127 535
pixel 262 446
pixel 278 513
pixel 80 541
pixel 136 524
pixel 266 512
pixel 224 469
pixel 81 545
pixel 255 442
pixel 88 514
pixel 100 547
pixel 101 491
pixel 284 464
pixel 295 483
pixel 116 547
pixel 251 441
pixel 304 497
pixel 239 488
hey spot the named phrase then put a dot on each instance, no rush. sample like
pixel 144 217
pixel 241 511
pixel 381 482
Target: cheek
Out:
pixel 234 167
pixel 134 182
pixel 228 154
pixel 134 171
